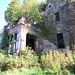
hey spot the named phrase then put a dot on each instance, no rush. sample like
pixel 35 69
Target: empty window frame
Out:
pixel 57 17
pixel 15 36
pixel 9 36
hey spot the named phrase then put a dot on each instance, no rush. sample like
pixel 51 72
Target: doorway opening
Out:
pixel 30 41
pixel 60 40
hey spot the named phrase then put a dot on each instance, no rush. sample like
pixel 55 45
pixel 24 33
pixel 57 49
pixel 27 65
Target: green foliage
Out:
pixel 13 11
pixel 30 57
pixel 3 51
pixel 4 40
pixel 29 9
pixel 27 60
pixel 59 63
pixel 49 34
pixel 53 63
pixel 32 11
pixel 42 5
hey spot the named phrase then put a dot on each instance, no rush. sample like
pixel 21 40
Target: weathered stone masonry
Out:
pixel 23 33
pixel 22 29
pixel 64 19
pixel 26 34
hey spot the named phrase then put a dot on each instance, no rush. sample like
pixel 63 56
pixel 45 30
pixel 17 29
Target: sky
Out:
pixel 3 7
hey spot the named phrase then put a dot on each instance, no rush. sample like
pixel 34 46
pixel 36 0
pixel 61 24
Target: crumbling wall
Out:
pixel 45 45
pixel 66 25
pixel 68 21
pixel 49 30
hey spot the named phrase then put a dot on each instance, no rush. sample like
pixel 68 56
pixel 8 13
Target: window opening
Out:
pixel 60 40
pixel 15 36
pixel 49 6
pixel 57 17
pixel 12 37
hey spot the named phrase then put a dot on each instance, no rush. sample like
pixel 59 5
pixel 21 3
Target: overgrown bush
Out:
pixel 27 60
pixel 56 62
pixel 29 57
pixel 52 63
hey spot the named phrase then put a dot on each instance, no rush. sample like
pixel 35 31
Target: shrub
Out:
pixel 56 62
pixel 29 57
pixel 52 63
pixel 27 60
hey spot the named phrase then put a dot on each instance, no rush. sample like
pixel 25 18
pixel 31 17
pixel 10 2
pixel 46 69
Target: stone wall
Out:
pixel 22 29
pixel 66 25
pixel 46 45
pixel 68 21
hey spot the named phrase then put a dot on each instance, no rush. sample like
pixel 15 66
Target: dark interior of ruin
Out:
pixel 15 36
pixel 57 17
pixel 60 40
pixel 30 41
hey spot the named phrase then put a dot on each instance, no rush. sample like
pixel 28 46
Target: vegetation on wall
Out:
pixel 4 40
pixel 1 35
pixel 49 28
pixel 32 11
pixel 49 34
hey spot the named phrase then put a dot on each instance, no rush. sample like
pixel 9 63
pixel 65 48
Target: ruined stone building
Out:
pixel 63 15
pixel 23 34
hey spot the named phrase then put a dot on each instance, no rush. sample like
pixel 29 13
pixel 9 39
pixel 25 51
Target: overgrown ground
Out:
pixel 52 63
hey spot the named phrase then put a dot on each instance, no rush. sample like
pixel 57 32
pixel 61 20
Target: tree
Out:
pixel 29 9
pixel 4 39
pixel 32 11
pixel 13 11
